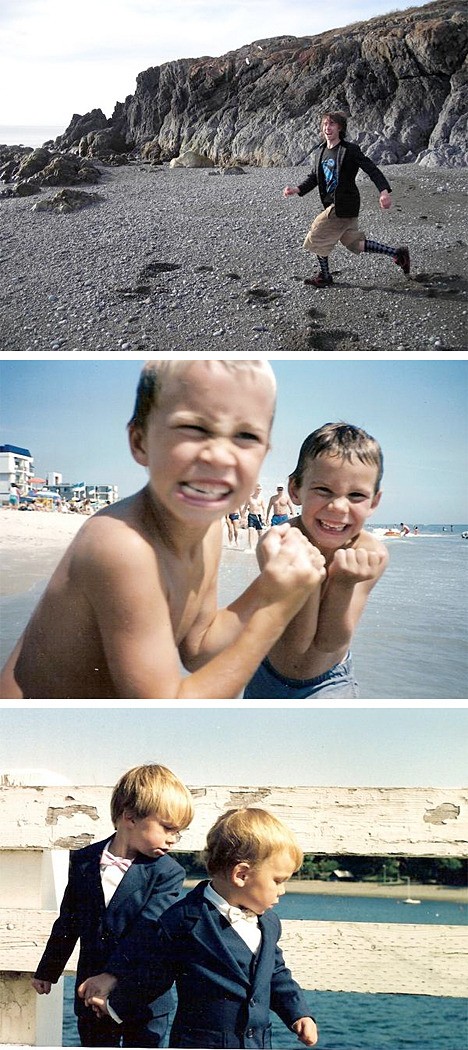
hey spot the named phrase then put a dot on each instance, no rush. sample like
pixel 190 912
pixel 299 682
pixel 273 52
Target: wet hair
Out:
pixel 343 440
pixel 155 373
pixel 339 118
pixel 251 835
pixel 152 791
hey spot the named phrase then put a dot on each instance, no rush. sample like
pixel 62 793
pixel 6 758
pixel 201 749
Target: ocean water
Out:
pixel 354 1021
pixel 29 134
pixel 411 641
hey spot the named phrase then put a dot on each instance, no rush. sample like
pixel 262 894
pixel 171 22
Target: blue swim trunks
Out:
pixel 278 519
pixel 267 684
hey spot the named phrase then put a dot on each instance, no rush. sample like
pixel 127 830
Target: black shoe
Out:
pixel 319 281
pixel 402 259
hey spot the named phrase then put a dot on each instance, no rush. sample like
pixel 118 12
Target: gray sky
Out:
pixel 58 58
pixel 343 747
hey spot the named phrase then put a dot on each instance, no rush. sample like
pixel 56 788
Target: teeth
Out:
pixel 332 528
pixel 211 492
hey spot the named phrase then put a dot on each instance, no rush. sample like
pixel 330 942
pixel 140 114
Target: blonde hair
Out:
pixel 152 791
pixel 155 373
pixel 251 835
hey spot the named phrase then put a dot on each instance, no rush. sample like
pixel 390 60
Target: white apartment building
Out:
pixel 16 468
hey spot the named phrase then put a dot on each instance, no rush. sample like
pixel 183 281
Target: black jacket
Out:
pixel 350 159
pixel 224 994
pixel 148 887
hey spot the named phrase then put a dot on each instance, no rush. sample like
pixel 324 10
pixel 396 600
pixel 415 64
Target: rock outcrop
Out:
pixel 402 78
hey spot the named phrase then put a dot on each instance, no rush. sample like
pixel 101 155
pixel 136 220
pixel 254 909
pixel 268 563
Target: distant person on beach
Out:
pixel 337 163
pixel 233 522
pixel 136 592
pixel 114 887
pixel 281 506
pixel 337 484
pixel 254 510
pixel 220 945
pixel 404 529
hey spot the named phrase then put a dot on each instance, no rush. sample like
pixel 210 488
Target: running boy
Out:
pixel 136 592
pixel 220 945
pixel 337 163
pixel 337 484
pixel 113 887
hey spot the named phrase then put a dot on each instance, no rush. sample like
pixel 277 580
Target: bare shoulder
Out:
pixel 117 532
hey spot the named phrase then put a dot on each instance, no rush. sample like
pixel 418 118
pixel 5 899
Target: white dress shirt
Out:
pixel 111 877
pixel 247 928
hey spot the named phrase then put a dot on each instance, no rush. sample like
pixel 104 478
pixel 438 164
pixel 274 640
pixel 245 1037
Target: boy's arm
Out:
pixel 247 622
pixel 130 604
pixel 63 937
pixel 351 576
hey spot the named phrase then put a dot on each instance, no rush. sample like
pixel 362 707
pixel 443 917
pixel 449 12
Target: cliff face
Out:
pixel 402 78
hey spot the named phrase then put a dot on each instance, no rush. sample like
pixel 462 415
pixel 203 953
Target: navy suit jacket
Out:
pixel 224 996
pixel 148 887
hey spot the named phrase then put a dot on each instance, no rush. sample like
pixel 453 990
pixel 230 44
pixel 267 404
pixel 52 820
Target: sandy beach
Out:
pixel 175 259
pixel 31 544
pixel 371 889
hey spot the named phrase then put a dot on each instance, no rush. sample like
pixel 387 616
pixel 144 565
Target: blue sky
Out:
pixel 413 747
pixel 59 58
pixel 72 414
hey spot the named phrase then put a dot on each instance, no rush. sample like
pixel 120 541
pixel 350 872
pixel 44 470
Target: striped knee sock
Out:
pixel 323 263
pixel 381 249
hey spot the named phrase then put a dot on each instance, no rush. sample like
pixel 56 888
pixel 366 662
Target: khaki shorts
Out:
pixel 327 230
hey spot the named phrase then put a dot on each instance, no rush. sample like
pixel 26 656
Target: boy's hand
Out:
pixel 385 200
pixel 100 985
pixel 306 1030
pixel 289 191
pixel 41 987
pixel 288 562
pixel 355 566
pixel 99 1005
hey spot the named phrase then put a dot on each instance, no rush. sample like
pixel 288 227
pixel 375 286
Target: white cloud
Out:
pixel 57 58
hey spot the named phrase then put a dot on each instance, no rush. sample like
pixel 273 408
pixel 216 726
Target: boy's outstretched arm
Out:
pixel 291 571
pixel 351 576
pixel 131 605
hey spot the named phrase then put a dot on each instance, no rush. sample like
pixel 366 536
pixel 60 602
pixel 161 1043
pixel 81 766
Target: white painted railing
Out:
pixel 39 825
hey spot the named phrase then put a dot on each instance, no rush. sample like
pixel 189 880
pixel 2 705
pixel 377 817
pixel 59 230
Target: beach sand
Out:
pixel 400 891
pixel 32 543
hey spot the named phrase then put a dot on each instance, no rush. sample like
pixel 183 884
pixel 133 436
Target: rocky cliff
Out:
pixel 402 78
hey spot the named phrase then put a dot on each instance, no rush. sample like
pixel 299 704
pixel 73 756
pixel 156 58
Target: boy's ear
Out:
pixel 128 816
pixel 376 501
pixel 136 437
pixel 293 489
pixel 240 873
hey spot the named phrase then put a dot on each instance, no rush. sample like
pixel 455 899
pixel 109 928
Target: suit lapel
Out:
pixel 267 949
pixel 208 931
pixel 129 896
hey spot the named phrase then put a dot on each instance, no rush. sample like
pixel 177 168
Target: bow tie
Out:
pixel 108 858
pixel 234 914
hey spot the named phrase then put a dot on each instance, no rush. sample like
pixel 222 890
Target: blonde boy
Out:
pixel 136 592
pixel 113 887
pixel 337 484
pixel 220 945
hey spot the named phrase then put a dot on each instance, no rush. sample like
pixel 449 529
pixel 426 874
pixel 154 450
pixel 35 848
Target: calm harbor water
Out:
pixel 352 1021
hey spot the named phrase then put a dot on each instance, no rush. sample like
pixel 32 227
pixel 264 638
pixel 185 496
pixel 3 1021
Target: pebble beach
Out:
pixel 206 260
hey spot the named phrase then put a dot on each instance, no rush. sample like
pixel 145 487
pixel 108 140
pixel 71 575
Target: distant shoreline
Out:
pixel 400 891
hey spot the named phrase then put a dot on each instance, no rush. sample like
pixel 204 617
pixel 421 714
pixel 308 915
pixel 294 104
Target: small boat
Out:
pixel 410 900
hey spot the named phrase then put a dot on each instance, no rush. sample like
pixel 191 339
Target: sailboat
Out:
pixel 410 900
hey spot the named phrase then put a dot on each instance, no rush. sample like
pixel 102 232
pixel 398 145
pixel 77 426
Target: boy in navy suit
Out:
pixel 115 886
pixel 219 945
